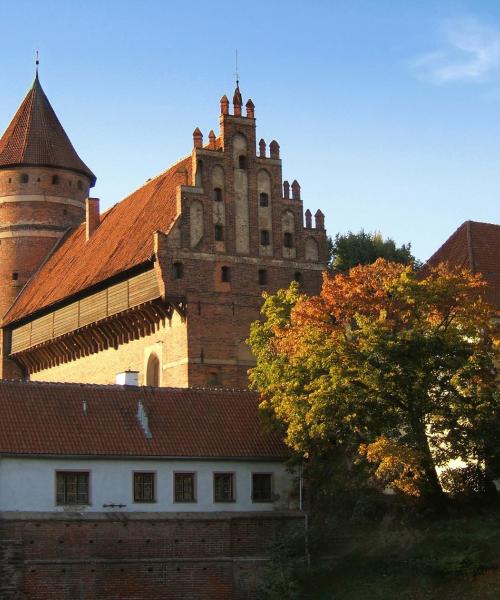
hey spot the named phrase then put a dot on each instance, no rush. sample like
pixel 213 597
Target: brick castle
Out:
pixel 167 281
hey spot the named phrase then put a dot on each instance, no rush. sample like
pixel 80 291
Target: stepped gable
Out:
pixel 476 246
pixel 35 137
pixel 97 420
pixel 123 240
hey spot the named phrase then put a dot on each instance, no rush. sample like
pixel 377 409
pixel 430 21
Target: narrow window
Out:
pixel 242 162
pixel 264 237
pixel 264 199
pixel 288 240
pixel 178 270
pixel 144 487
pixel 224 487
pixel 15 275
pixel 80 185
pixel 298 277
pixel 153 371
pixel 217 194
pixel 55 179
pixel 219 233
pixel 262 487
pixel 72 488
pixel 24 178
pixel 184 487
pixel 10 179
pixel 262 277
pixel 225 274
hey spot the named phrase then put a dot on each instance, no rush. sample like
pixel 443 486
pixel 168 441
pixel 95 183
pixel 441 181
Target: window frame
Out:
pixel 231 474
pixel 225 274
pixel 264 200
pixel 194 500
pixel 242 162
pixel 134 499
pixel 73 472
pixel 263 277
pixel 271 477
pixel 218 195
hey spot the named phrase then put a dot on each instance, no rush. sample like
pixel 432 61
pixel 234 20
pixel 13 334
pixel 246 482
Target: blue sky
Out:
pixel 387 112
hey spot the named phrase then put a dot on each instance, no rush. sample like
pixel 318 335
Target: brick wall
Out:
pixel 110 557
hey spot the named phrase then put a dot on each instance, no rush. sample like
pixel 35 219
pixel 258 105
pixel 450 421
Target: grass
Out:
pixel 437 559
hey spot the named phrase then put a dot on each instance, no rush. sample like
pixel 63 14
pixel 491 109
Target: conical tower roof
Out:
pixel 35 137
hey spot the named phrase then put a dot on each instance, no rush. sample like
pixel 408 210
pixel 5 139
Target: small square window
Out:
pixel 217 195
pixel 262 277
pixel 264 199
pixel 144 487
pixel 184 490
pixel 262 487
pixel 224 487
pixel 72 488
pixel 242 162
pixel 225 274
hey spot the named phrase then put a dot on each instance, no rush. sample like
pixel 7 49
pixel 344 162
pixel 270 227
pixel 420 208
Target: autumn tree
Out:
pixel 363 248
pixel 396 365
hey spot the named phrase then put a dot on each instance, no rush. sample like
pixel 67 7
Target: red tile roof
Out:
pixel 475 246
pixel 35 137
pixel 50 419
pixel 123 240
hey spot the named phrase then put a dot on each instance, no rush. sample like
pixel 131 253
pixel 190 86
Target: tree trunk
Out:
pixel 434 492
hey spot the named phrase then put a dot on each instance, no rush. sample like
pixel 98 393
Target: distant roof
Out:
pixel 123 240
pixel 35 137
pixel 475 246
pixel 52 419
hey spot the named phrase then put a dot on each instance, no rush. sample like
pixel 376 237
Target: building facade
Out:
pixel 165 282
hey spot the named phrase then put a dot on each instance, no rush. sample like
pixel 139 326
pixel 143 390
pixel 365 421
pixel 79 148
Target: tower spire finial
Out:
pixel 236 72
pixel 37 62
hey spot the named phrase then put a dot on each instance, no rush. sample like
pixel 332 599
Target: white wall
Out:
pixel 28 484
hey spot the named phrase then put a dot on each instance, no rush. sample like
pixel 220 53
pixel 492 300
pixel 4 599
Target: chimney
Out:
pixel 128 378
pixel 93 218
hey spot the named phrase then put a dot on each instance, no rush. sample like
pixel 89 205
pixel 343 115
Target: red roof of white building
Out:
pixel 54 419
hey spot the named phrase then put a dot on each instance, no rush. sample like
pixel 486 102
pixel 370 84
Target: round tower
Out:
pixel 43 187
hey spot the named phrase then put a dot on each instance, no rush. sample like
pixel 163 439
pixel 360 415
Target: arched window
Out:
pixel 225 274
pixel 262 277
pixel 55 179
pixel 219 233
pixel 242 162
pixel 264 237
pixel 24 178
pixel 153 371
pixel 178 270
pixel 217 194
pixel 288 239
pixel 264 199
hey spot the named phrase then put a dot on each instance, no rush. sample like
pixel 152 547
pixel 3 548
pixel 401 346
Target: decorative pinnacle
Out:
pixel 37 62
